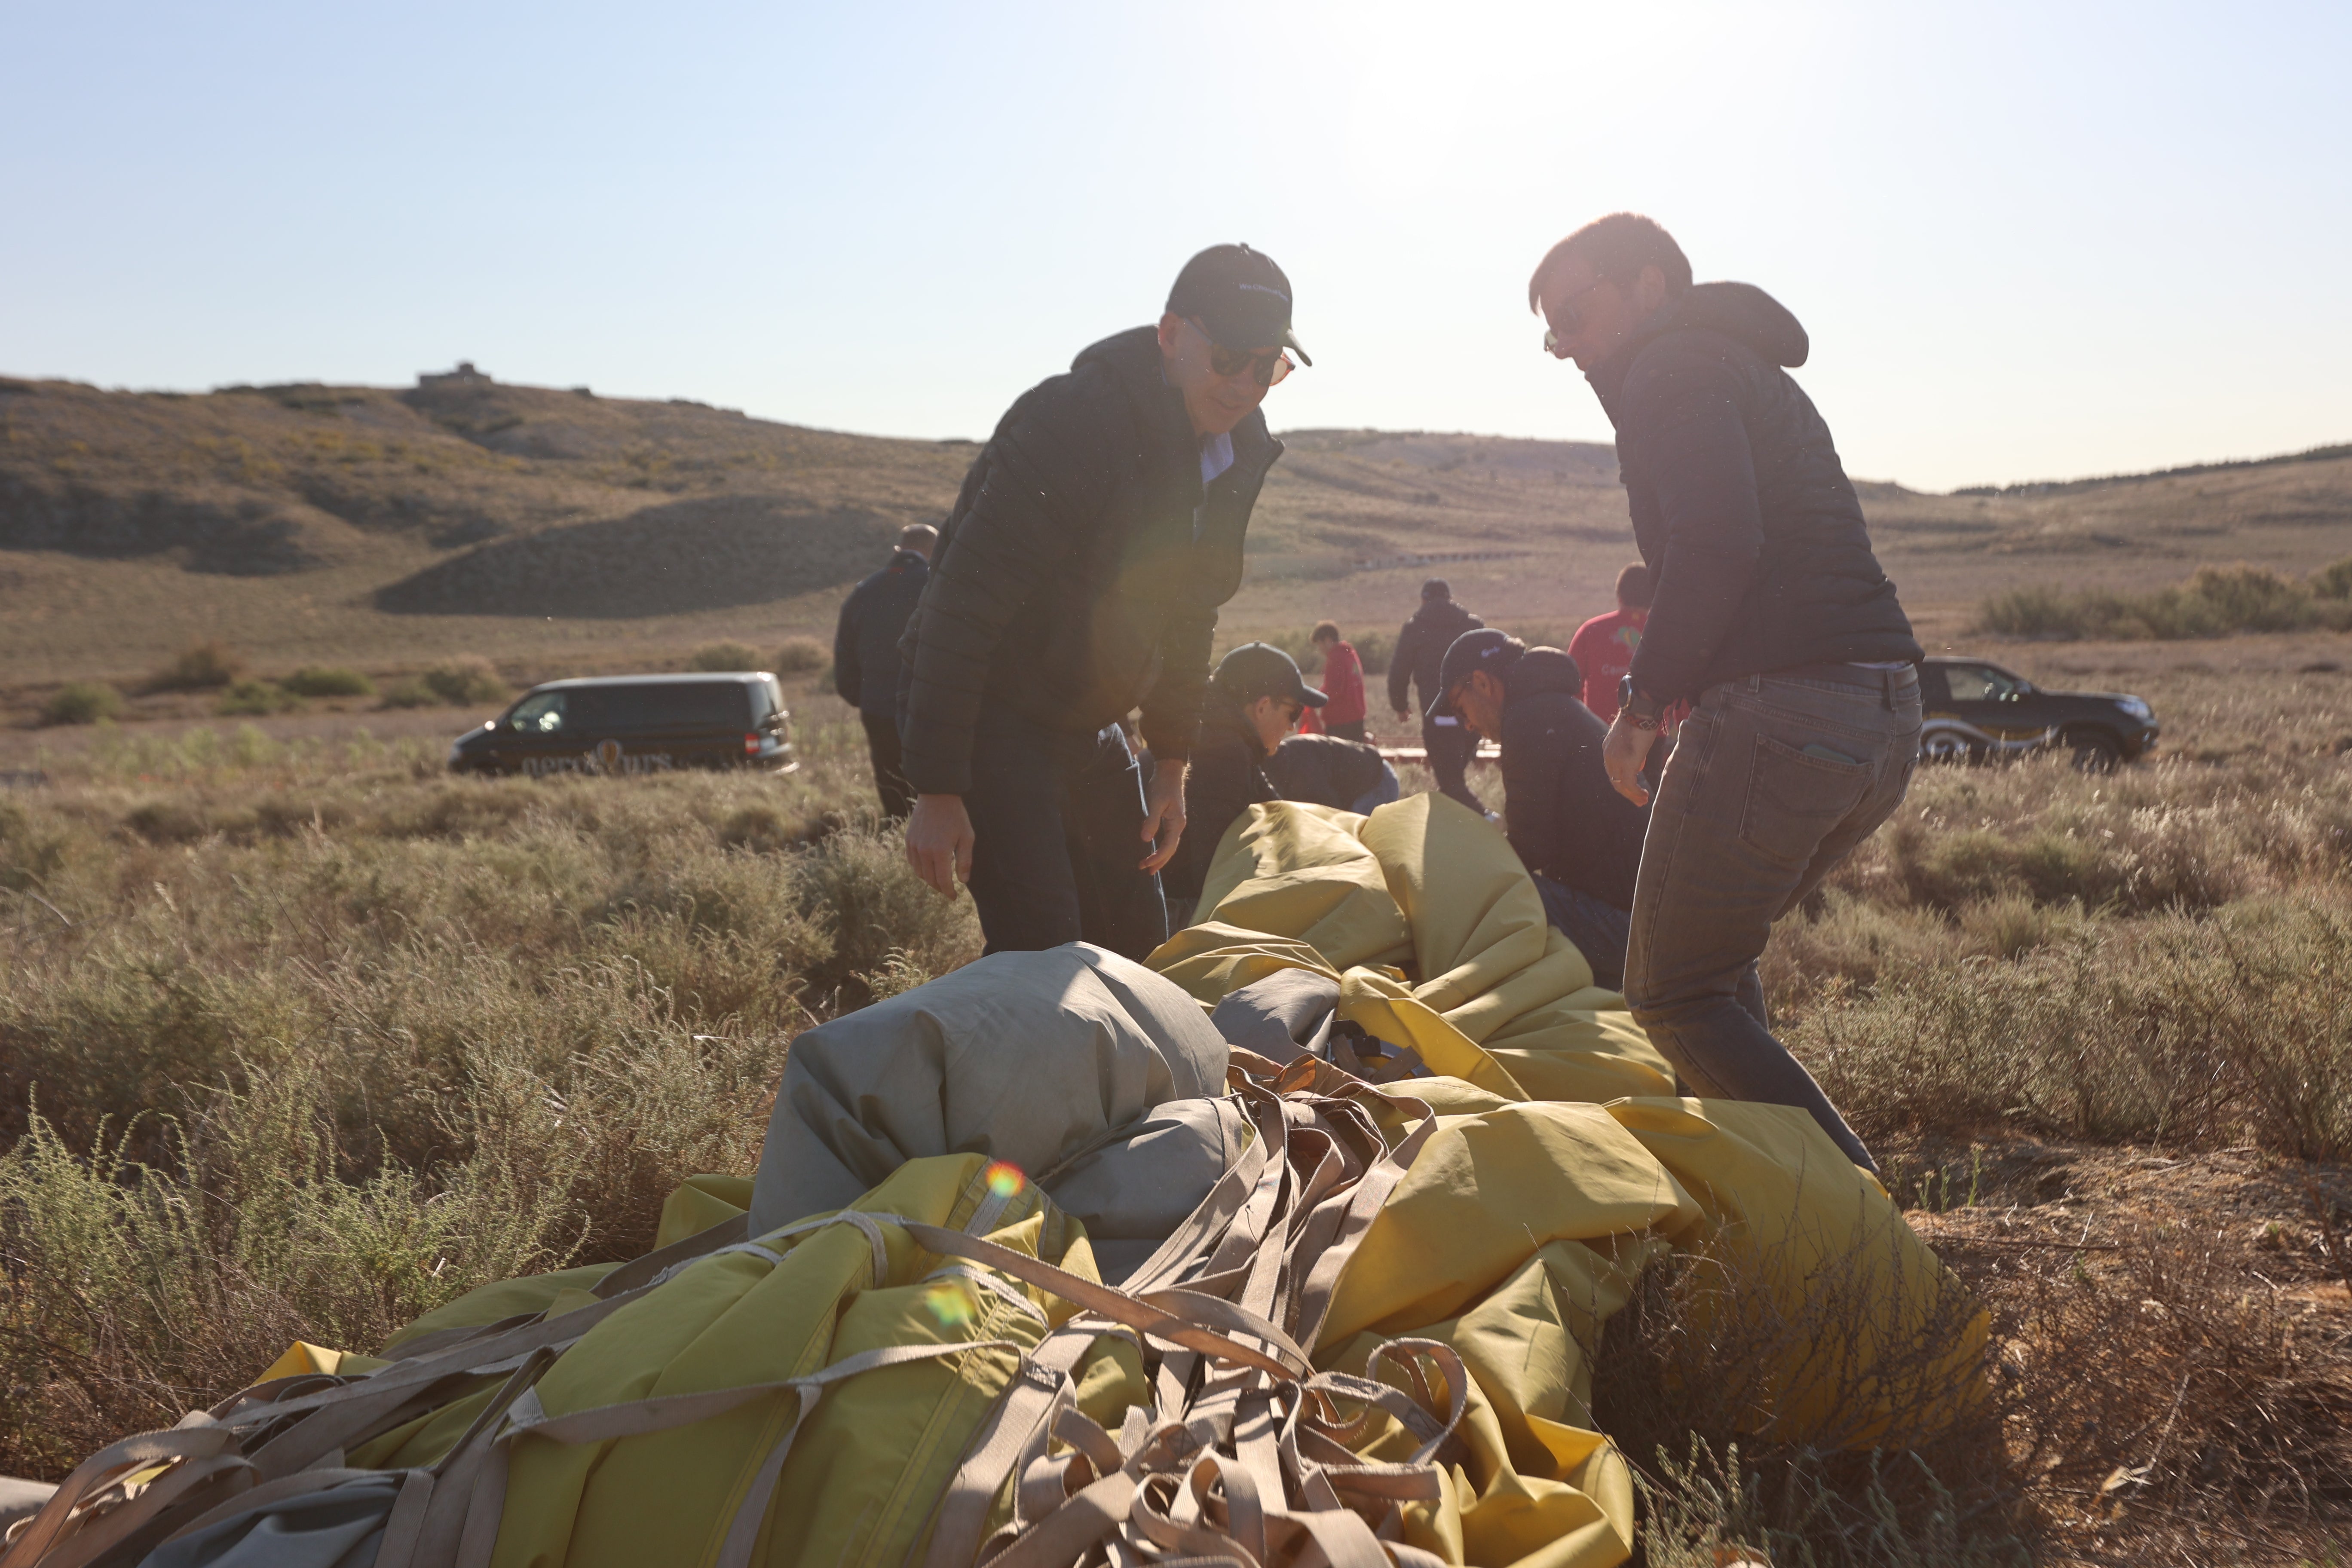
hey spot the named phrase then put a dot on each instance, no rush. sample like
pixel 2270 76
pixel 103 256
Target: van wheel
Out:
pixel 2096 750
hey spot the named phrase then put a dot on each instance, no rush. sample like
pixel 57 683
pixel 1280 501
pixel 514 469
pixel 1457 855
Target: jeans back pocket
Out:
pixel 1794 799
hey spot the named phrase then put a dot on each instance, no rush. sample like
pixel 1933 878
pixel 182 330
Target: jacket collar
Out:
pixel 1133 359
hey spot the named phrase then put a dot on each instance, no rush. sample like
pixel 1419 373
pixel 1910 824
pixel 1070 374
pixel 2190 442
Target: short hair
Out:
pixel 918 535
pixel 1437 588
pixel 1325 631
pixel 1636 586
pixel 1619 247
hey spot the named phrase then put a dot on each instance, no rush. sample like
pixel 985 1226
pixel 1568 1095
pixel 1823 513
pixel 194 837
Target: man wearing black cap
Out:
pixel 1254 700
pixel 1420 649
pixel 1768 614
pixel 1079 578
pixel 1579 838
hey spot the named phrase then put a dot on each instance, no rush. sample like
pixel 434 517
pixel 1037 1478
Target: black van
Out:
pixel 635 724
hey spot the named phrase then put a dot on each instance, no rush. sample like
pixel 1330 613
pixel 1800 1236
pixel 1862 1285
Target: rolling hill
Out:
pixel 543 526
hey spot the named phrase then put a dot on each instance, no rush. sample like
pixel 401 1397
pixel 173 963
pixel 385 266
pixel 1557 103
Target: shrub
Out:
pixel 2215 601
pixel 252 697
pixel 408 692
pixel 81 702
pixel 200 666
pixel 461 682
pixel 801 656
pixel 328 680
pixel 2334 581
pixel 723 656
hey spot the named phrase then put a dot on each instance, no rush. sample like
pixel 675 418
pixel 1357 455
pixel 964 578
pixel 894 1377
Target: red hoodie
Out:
pixel 1342 681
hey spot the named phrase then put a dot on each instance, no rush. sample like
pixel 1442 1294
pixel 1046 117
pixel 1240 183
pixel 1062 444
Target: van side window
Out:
pixel 539 715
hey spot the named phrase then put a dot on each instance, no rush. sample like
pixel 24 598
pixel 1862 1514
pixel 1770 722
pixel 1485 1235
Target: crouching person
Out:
pixel 1254 699
pixel 1579 838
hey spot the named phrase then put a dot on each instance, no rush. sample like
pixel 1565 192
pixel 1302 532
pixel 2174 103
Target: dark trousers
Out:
pixel 1450 748
pixel 1350 729
pixel 882 745
pixel 1057 839
pixel 1598 929
pixel 1774 780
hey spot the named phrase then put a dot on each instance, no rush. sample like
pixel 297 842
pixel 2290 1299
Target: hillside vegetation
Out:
pixel 544 527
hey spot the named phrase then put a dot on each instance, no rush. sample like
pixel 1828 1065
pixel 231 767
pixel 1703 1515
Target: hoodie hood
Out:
pixel 1740 312
pixel 1541 669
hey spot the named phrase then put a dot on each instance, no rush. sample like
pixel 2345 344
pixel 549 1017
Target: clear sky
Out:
pixel 2028 240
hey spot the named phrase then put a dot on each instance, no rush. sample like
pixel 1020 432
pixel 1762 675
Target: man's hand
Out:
pixel 938 842
pixel 1164 814
pixel 1624 753
pixel 1402 716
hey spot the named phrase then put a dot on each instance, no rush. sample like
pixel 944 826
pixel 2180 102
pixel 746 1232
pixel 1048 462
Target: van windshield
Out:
pixel 539 715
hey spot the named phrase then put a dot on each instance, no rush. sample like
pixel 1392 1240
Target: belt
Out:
pixel 1846 675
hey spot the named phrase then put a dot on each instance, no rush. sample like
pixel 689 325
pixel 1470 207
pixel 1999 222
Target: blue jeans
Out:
pixel 1598 929
pixel 1774 780
pixel 1057 839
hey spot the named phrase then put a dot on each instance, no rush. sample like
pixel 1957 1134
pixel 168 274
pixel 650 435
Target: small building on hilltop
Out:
pixel 465 378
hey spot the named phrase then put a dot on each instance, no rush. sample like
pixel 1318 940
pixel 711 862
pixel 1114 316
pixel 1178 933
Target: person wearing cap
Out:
pixel 1254 698
pixel 865 656
pixel 1420 649
pixel 1579 838
pixel 1079 578
pixel 1769 616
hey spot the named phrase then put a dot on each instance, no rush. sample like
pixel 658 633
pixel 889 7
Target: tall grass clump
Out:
pixel 200 666
pixel 81 702
pixel 2214 602
pixel 328 680
pixel 723 656
pixel 800 656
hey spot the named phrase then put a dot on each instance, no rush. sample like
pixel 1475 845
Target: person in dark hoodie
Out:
pixel 865 656
pixel 1254 700
pixel 1079 578
pixel 1421 647
pixel 1579 838
pixel 1769 614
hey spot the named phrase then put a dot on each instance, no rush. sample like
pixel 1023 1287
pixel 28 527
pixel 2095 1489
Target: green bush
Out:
pixel 254 698
pixel 2214 602
pixel 408 692
pixel 463 681
pixel 81 702
pixel 328 680
pixel 200 667
pixel 801 656
pixel 723 656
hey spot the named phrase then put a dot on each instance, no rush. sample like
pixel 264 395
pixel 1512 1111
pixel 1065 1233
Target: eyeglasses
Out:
pixel 1266 366
pixel 1574 318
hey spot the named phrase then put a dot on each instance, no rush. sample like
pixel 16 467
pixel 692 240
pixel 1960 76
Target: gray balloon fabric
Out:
pixel 1027 1058
pixel 1282 1016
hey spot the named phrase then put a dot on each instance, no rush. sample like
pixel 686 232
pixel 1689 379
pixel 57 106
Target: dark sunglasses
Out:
pixel 1266 367
pixel 1571 317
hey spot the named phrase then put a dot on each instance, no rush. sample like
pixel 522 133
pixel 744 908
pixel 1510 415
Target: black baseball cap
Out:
pixel 1258 669
pixel 1240 297
pixel 1485 649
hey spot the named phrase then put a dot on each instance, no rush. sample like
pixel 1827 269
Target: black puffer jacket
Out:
pixel 1328 770
pixel 1558 808
pixel 865 641
pixel 1227 777
pixel 1421 647
pixel 1072 583
pixel 1740 503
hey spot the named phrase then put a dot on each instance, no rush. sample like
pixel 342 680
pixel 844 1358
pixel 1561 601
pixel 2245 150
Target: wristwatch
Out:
pixel 1641 712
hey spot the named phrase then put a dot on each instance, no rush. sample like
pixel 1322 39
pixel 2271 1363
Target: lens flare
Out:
pixel 947 1305
pixel 1005 1181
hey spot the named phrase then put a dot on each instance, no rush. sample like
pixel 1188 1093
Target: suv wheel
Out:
pixel 1944 746
pixel 2096 750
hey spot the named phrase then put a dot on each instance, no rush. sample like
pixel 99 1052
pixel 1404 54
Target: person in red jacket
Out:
pixel 1343 682
pixel 1603 646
